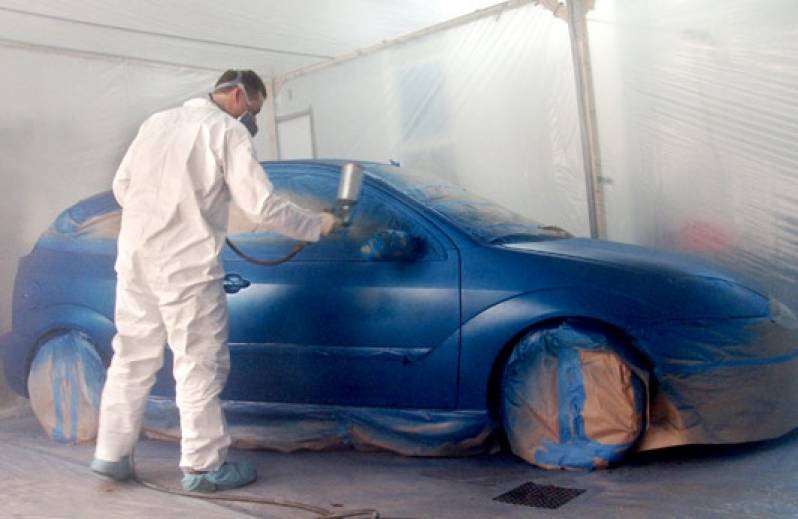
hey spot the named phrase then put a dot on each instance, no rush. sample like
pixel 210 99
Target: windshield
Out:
pixel 484 220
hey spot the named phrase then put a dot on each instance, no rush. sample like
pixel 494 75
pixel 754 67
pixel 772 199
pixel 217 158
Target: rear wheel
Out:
pixel 64 386
pixel 570 400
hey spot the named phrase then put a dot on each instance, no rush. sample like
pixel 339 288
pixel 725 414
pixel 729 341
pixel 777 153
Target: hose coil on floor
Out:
pixel 321 513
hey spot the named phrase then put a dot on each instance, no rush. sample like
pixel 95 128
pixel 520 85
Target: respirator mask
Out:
pixel 248 120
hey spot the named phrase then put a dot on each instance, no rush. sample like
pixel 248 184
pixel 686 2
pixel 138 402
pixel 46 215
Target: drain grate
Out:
pixel 539 496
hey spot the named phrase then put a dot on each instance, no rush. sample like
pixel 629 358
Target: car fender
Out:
pixel 485 336
pixel 20 345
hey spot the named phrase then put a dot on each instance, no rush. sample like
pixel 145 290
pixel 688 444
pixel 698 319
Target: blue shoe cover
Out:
pixel 230 475
pixel 118 470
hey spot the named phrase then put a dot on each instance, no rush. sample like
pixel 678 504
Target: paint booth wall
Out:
pixel 67 120
pixel 489 104
pixel 698 120
pixel 66 123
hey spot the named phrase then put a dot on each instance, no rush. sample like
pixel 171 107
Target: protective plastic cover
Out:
pixel 570 401
pixel 294 427
pixel 65 383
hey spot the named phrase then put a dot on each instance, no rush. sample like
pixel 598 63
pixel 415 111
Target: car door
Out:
pixel 335 326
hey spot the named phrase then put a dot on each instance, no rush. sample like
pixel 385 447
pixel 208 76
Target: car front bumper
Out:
pixel 723 381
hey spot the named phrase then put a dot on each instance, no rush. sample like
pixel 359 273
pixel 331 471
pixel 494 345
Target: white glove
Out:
pixel 329 223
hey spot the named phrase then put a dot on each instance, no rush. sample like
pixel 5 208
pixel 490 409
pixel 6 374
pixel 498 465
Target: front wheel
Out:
pixel 569 400
pixel 64 385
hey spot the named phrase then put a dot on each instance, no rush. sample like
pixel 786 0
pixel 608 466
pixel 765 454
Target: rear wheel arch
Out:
pixel 53 331
pixel 64 380
pixel 46 322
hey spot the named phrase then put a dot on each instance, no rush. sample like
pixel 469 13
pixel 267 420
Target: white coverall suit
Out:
pixel 175 185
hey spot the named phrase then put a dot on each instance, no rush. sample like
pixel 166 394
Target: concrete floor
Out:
pixel 41 478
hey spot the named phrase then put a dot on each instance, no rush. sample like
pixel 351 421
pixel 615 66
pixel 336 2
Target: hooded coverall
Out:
pixel 175 185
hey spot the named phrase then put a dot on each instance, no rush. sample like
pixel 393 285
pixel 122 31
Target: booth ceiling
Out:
pixel 270 36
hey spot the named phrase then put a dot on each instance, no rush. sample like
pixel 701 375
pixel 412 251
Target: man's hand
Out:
pixel 330 223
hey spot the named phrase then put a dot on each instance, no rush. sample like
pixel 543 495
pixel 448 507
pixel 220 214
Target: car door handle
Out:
pixel 234 282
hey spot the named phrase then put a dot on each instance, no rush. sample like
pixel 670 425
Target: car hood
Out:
pixel 627 256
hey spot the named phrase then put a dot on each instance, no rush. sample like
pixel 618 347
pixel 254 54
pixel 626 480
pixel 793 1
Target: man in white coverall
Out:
pixel 175 185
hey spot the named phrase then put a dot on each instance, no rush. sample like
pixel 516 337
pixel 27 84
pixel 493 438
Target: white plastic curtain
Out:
pixel 67 120
pixel 696 114
pixel 697 119
pixel 489 104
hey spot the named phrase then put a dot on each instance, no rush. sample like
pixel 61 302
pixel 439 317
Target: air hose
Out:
pixel 267 263
pixel 348 195
pixel 321 513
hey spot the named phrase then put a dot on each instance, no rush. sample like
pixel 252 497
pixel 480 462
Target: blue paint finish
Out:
pixel 15 350
pixel 329 326
pixel 498 326
pixel 336 327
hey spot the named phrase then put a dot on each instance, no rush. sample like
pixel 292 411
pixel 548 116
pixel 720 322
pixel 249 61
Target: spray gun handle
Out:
pixel 339 217
pixel 344 212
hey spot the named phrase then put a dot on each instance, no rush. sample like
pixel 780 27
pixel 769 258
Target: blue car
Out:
pixel 437 323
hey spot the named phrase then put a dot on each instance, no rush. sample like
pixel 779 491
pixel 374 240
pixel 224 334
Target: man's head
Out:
pixel 239 93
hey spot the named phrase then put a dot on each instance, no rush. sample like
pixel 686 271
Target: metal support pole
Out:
pixel 270 114
pixel 591 153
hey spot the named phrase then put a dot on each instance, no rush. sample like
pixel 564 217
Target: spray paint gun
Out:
pixel 348 191
pixel 348 195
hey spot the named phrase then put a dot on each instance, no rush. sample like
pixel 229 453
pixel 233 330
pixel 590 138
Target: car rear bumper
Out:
pixel 15 362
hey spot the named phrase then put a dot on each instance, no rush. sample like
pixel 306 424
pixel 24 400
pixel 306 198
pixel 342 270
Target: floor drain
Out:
pixel 539 496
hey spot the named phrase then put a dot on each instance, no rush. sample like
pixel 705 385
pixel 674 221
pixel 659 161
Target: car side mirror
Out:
pixel 392 245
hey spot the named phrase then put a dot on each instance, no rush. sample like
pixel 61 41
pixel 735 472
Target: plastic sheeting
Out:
pixel 47 479
pixel 723 381
pixel 569 401
pixel 489 105
pixel 271 36
pixel 64 141
pixel 293 427
pixel 697 121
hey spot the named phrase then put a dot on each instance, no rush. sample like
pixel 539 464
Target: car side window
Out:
pixel 373 214
pixel 307 193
